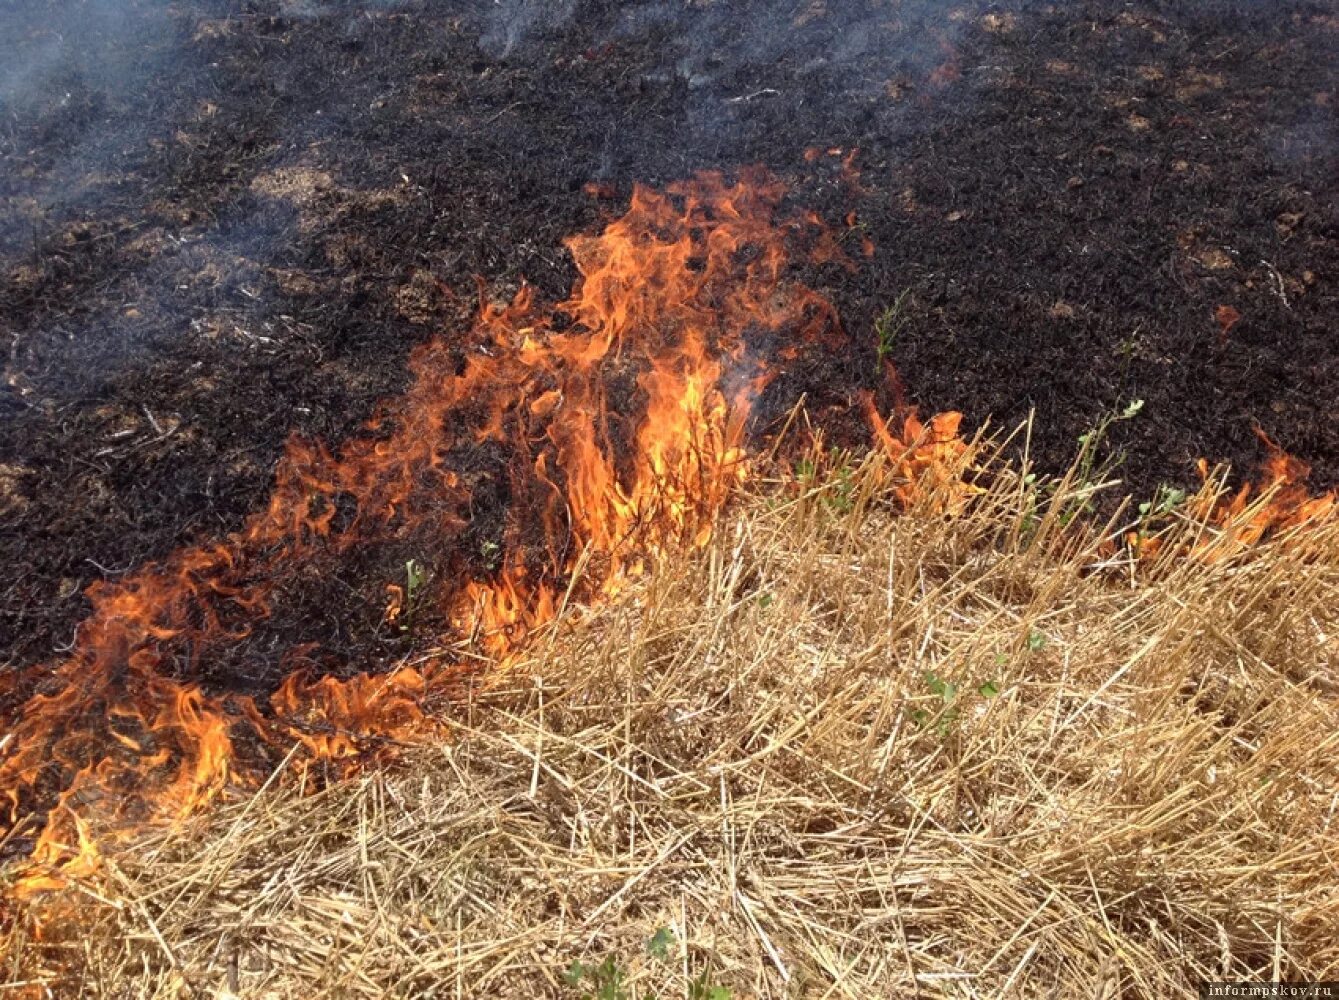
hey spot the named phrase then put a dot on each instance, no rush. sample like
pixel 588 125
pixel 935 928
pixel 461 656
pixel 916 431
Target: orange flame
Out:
pixel 1289 505
pixel 927 460
pixel 1282 503
pixel 608 429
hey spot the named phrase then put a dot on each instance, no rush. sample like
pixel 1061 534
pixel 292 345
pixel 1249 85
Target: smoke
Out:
pixel 719 82
pixel 513 22
pixel 706 43
pixel 73 89
pixel 856 45
pixel 105 45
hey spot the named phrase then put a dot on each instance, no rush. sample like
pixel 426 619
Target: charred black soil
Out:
pixel 224 223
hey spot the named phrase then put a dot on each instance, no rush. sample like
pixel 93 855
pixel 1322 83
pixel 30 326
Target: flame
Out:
pixel 1282 504
pixel 927 460
pixel 602 431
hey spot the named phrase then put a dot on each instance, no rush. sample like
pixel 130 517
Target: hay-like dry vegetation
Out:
pixel 843 751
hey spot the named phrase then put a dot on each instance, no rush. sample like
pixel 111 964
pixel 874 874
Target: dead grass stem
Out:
pixel 841 752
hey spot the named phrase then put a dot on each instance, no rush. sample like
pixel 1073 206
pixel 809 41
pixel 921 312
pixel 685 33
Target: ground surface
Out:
pixel 222 223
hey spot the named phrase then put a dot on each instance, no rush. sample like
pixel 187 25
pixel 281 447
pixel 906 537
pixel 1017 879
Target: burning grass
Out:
pixel 841 749
pixel 591 434
pixel 800 744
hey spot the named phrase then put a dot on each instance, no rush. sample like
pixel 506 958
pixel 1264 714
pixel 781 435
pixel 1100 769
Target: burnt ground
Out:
pixel 221 223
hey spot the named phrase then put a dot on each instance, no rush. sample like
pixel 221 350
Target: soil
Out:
pixel 223 223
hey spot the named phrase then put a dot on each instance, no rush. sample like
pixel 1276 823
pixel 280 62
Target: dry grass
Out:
pixel 747 751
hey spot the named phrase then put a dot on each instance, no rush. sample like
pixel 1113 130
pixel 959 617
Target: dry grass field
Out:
pixel 844 750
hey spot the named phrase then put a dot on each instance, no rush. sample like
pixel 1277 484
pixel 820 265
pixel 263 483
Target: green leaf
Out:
pixel 988 690
pixel 659 945
pixel 414 575
pixel 946 690
pixel 699 990
pixel 764 600
pixel 1035 640
pixel 574 973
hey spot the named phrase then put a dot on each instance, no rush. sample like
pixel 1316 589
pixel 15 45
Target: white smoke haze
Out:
pixel 79 79
pixel 511 23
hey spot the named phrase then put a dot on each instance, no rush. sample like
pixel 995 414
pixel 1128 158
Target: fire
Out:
pixel 1284 502
pixel 1281 503
pixel 596 434
pixel 601 432
pixel 927 460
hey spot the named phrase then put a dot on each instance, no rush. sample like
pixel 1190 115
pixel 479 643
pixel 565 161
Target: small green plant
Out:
pixel 659 945
pixel 1165 502
pixel 607 981
pixel 415 577
pixel 597 982
pixel 1127 350
pixel 1090 439
pixel 890 323
pixel 701 989
pixel 947 692
pixel 841 493
pixel 838 493
pixel 948 714
pixel 1036 641
pixel 1090 471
